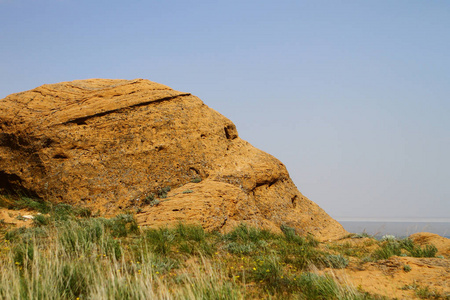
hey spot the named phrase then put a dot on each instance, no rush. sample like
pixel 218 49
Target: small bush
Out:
pixel 80 236
pixel 417 251
pixel 40 220
pixel 73 281
pixel 35 204
pixel 291 236
pixel 155 202
pixel 191 232
pixel 84 212
pixel 23 252
pixel 336 261
pixel 315 286
pixel 427 293
pixel 311 240
pixel 14 234
pixel 196 180
pixel 122 225
pixel 162 193
pixel 388 237
pixel 247 240
pixel 62 212
pixel 407 268
pixel 161 240
pixel 361 235
pixel 427 251
pixel 239 248
pixel 244 233
pixel 387 250
pixel 268 271
pixel 149 199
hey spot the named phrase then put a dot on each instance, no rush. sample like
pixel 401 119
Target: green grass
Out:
pixel 387 249
pixel 390 247
pixel 417 251
pixel 196 180
pixel 69 254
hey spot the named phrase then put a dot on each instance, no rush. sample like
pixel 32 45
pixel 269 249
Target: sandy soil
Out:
pixel 16 218
pixel 389 277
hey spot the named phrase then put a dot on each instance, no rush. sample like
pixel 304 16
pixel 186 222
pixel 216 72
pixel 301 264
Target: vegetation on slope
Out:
pixel 70 254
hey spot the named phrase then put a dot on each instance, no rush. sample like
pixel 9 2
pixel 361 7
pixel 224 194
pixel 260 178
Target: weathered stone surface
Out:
pixel 109 144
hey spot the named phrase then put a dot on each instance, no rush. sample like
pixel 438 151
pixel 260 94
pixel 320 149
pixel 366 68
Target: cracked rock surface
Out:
pixel 112 144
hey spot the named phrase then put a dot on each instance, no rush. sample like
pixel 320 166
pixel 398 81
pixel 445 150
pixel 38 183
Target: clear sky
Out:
pixel 353 96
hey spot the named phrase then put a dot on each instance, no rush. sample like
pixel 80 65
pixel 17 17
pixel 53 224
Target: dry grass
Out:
pixel 68 255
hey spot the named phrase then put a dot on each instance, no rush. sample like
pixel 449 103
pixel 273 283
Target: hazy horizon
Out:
pixel 353 97
pixel 399 220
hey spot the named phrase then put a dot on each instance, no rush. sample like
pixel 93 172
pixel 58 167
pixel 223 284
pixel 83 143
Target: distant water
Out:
pixel 396 228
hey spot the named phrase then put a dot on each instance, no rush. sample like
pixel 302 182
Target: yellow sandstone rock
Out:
pixel 110 144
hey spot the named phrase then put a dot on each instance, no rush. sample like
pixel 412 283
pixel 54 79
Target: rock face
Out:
pixel 111 144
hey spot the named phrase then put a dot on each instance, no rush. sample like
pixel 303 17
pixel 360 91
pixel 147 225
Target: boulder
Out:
pixel 117 145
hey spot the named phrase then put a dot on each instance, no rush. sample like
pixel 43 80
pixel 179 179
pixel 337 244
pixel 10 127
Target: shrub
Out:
pixel 149 199
pixel 84 212
pixel 336 261
pixel 239 248
pixel 23 252
pixel 387 250
pixel 388 237
pixel 161 240
pixel 162 193
pixel 73 281
pixel 155 203
pixel 427 293
pixel 268 271
pixel 35 204
pixel 40 220
pixel 247 240
pixel 191 232
pixel 417 251
pixel 80 237
pixel 315 286
pixel 427 251
pixel 122 225
pixel 291 236
pixel 244 233
pixel 361 235
pixel 14 234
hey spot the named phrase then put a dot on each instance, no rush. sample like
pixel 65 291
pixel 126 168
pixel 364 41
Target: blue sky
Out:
pixel 353 96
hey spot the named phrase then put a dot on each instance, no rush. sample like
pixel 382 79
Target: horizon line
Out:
pixel 391 219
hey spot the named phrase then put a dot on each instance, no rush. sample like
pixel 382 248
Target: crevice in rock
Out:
pixel 230 132
pixel 12 184
pixel 223 223
pixel 193 171
pixel 60 156
pixel 47 142
pixel 82 120
pixel 269 183
pixel 16 142
pixel 294 201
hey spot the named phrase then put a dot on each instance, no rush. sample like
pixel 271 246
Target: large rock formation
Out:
pixel 111 144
